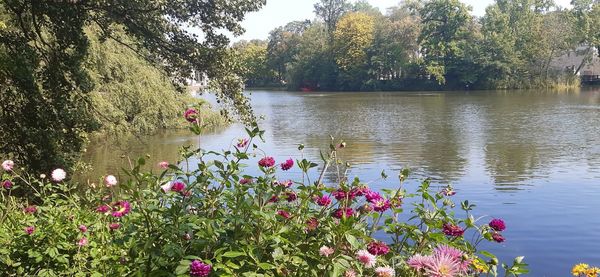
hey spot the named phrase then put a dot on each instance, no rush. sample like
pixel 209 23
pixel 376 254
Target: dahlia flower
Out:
pixel 58 175
pixel 378 248
pixel 326 251
pixel 121 208
pixel 287 164
pixel 110 181
pixel 366 258
pixel 497 224
pixel 266 162
pixel 8 165
pixel 385 271
pixel 199 269
pixel 191 115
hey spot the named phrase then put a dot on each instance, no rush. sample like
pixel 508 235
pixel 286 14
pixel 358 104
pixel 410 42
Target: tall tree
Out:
pixel 44 89
pixel 253 55
pixel 283 46
pixel 444 37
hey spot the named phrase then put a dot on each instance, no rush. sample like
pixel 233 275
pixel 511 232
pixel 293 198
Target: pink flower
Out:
pixel 266 162
pixel 381 205
pixel 110 181
pixel 497 224
pixel 497 237
pixel 178 186
pixel 83 228
pixel 287 164
pixel 199 269
pixel 365 258
pixel 167 187
pixel 7 184
pixel 322 200
pixel 30 209
pixel 419 261
pixel 385 271
pixel 245 181
pixel 283 214
pixel 191 115
pixel 83 241
pixel 121 208
pixel 448 251
pixel 326 251
pixel 103 209
pixel 442 266
pixel 114 226
pixel 360 191
pixel 341 194
pixel 29 230
pixel 58 175
pixel 448 191
pixel 8 165
pixel 350 273
pixel 452 230
pixel 242 143
pixel 163 164
pixel 285 184
pixel 378 248
pixel 312 224
pixel 290 196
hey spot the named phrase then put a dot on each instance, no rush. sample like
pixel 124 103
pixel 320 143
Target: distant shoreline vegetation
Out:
pixel 428 45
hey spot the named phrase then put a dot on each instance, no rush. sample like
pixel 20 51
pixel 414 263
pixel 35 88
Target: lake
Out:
pixel 529 157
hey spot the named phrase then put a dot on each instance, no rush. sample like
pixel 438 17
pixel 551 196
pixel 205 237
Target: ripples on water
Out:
pixel 529 157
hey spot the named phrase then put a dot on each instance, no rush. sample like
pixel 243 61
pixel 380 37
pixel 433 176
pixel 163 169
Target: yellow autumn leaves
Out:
pixel 584 270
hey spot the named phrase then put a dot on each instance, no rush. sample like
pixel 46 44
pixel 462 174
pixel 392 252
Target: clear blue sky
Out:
pixel 279 12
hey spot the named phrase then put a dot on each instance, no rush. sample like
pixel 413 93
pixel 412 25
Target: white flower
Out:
pixel 326 251
pixel 385 271
pixel 167 187
pixel 8 165
pixel 58 175
pixel 110 181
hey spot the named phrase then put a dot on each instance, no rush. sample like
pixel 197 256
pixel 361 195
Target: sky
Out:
pixel 279 12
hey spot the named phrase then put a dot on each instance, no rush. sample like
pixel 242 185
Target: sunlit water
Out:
pixel 531 158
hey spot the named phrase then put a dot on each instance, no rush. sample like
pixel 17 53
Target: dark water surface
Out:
pixel 529 157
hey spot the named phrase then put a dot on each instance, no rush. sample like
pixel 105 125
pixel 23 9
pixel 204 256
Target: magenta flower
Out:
pixel 381 205
pixel 341 194
pixel 30 209
pixel 452 230
pixel 103 209
pixel 378 248
pixel 266 162
pixel 497 237
pixel 497 224
pixel 287 164
pixel 273 199
pixel 199 269
pixel 366 258
pixel 448 191
pixel 290 196
pixel 7 184
pixel 285 184
pixel 283 214
pixel 242 143
pixel 8 165
pixel 83 241
pixel 29 230
pixel 343 213
pixel 372 196
pixel 114 226
pixel 110 181
pixel 163 164
pixel 323 200
pixel 83 228
pixel 419 261
pixel 360 191
pixel 191 115
pixel 178 186
pixel 121 208
pixel 58 175
pixel 385 271
pixel 326 251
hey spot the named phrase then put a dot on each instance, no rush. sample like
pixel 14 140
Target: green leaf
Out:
pixel 233 254
pixel 353 241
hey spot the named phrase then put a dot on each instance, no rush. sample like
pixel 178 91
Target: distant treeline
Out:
pixel 434 44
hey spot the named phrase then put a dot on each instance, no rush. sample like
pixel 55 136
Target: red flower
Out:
pixel 341 194
pixel 312 224
pixel 497 237
pixel 343 213
pixel 287 164
pixel 30 209
pixel 7 184
pixel 378 248
pixel 114 226
pixel 323 200
pixel 497 224
pixel 266 162
pixel 274 199
pixel 452 230
pixel 290 196
pixel 283 214
pixel 178 186
pixel 191 115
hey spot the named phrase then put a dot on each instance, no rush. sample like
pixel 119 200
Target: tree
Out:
pixel 330 11
pixel 351 39
pixel 45 90
pixel 283 46
pixel 444 37
pixel 253 55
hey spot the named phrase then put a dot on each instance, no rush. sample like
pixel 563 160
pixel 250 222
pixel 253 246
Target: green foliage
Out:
pixel 241 225
pixel 44 88
pixel 254 57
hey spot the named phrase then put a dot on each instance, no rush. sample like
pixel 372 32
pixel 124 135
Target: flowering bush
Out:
pixel 204 216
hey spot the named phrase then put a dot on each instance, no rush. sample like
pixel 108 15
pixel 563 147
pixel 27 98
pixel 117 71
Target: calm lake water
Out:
pixel 529 157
